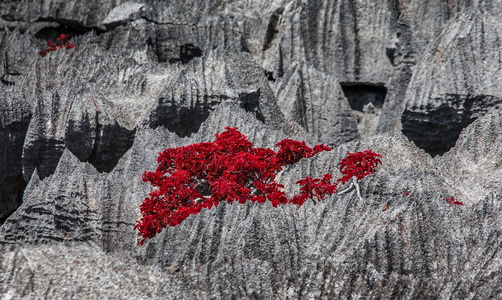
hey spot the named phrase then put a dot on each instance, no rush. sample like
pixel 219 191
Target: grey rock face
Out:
pixel 251 246
pixel 186 102
pixel 456 82
pixel 69 111
pixel 15 117
pixel 319 105
pixel 78 127
pixel 81 271
pixel 123 13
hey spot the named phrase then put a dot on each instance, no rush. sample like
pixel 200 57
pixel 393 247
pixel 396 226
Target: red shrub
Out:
pixel 359 164
pixel 453 201
pixel 229 169
pixel 61 42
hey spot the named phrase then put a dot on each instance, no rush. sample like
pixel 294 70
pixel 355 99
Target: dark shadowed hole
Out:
pixel 52 33
pixel 187 52
pixel 269 75
pixel 436 129
pixel 251 103
pixel 73 29
pixel 12 190
pixel 110 146
pixel 272 28
pixel 366 101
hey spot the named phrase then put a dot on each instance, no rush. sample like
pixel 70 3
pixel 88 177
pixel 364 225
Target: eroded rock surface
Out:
pixel 416 83
pixel 456 82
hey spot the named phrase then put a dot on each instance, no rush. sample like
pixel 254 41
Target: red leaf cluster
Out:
pixel 61 42
pixel 229 169
pixel 311 188
pixel 453 201
pixel 359 164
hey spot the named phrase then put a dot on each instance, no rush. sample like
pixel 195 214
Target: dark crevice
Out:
pixel 269 75
pixel 272 28
pixel 149 20
pixel 12 191
pixel 436 129
pixel 97 138
pixel 391 54
pixel 301 104
pixel 69 27
pixel 366 101
pixel 186 53
pixel 9 18
pixel 10 78
pixel 51 33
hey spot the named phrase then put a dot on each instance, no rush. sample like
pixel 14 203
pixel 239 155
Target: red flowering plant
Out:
pixel 53 45
pixel 229 169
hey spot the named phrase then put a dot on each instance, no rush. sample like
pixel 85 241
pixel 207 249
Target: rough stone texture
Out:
pixel 205 83
pixel 78 127
pixel 456 82
pixel 319 106
pixel 80 271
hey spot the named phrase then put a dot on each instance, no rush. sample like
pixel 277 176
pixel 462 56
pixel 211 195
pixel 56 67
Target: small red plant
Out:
pixel 229 169
pixel 453 201
pixel 359 164
pixel 61 42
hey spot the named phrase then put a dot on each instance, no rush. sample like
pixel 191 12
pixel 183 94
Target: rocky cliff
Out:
pixel 415 82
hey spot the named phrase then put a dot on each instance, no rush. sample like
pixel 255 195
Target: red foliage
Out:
pixel 453 201
pixel 359 164
pixel 61 42
pixel 311 188
pixel 229 169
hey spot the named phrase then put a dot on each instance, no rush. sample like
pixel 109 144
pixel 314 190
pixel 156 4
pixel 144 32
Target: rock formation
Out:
pixel 415 82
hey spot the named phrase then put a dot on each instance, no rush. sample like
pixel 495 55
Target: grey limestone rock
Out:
pixel 316 102
pixel 123 13
pixel 415 82
pixel 205 83
pixel 15 117
pixel 456 81
pixel 406 250
pixel 80 270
